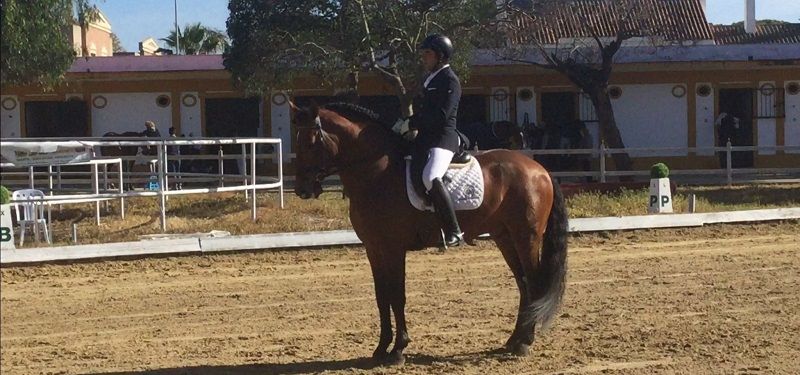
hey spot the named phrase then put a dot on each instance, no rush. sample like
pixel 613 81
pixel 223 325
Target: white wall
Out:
pixel 791 125
pixel 128 112
pixel 499 108
pixel 190 114
pixel 766 127
pixel 526 107
pixel 10 122
pixel 650 116
pixel 704 120
pixel 280 121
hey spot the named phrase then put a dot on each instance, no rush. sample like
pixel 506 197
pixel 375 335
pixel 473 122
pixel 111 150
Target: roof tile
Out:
pixel 671 19
pixel 764 34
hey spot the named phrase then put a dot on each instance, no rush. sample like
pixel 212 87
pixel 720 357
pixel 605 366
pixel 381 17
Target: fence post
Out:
pixel 253 175
pixel 280 168
pixel 162 179
pixel 165 162
pixel 96 190
pixel 220 154
pixel 50 192
pixel 121 191
pixel 729 167
pixel 602 162
pixel 243 170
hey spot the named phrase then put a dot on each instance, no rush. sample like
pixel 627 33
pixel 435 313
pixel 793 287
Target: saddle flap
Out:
pixel 464 182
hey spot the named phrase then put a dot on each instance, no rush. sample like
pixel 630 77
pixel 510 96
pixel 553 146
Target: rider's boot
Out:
pixel 445 213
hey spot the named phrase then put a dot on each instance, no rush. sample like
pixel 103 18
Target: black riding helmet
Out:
pixel 440 44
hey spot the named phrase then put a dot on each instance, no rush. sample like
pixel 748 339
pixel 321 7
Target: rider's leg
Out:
pixel 438 161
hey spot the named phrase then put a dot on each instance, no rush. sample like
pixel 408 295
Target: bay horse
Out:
pixel 522 209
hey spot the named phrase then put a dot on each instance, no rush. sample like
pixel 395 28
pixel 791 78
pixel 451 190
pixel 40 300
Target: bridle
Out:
pixel 329 165
pixel 323 170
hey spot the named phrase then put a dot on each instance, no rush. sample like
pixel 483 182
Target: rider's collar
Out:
pixel 430 76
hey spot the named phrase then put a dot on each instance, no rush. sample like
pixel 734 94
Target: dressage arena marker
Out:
pixel 348 237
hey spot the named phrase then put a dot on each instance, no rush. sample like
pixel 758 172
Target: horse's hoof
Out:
pixel 395 358
pixel 520 350
pixel 380 356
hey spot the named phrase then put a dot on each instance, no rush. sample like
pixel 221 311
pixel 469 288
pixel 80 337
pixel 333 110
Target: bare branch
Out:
pixel 368 36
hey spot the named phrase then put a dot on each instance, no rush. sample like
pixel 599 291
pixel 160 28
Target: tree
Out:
pixel 588 58
pixel 117 44
pixel 35 49
pixel 197 39
pixel 274 42
pixel 767 22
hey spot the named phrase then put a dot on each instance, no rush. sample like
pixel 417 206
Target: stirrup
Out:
pixel 456 241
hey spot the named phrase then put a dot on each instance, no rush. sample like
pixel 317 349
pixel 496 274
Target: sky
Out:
pixel 136 20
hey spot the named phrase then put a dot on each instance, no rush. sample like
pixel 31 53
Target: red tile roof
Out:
pixel 147 63
pixel 672 19
pixel 764 34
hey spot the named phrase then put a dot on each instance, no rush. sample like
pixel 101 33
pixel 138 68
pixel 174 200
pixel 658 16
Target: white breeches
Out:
pixel 438 161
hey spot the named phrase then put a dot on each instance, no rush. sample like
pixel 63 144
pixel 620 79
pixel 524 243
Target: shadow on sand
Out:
pixel 313 367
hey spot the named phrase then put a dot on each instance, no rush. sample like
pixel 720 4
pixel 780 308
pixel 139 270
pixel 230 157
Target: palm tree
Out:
pixel 197 39
pixel 85 14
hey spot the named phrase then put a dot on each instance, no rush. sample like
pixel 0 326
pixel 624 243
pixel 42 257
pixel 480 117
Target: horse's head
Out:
pixel 316 152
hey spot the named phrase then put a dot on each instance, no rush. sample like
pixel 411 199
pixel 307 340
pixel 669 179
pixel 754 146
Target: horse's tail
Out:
pixel 553 264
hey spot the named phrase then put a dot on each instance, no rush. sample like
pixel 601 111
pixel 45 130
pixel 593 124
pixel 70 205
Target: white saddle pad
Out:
pixel 464 182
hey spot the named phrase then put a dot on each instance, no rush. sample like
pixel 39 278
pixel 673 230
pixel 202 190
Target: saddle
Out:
pixel 463 180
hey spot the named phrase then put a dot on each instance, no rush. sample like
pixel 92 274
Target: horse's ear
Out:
pixel 313 108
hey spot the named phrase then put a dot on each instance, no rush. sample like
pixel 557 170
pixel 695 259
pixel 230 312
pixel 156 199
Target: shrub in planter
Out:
pixel 659 170
pixel 5 195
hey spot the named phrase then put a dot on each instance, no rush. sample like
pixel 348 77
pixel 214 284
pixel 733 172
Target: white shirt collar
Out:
pixel 430 76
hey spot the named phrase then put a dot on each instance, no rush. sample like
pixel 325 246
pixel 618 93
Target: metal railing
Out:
pixel 602 153
pixel 158 162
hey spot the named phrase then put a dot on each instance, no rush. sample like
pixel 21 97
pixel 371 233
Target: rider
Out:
pixel 437 140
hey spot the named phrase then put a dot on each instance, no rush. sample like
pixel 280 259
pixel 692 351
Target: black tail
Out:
pixel 553 264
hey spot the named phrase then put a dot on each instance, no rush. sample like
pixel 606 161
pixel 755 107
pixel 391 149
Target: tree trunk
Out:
pixel 608 127
pixel 405 96
pixel 84 47
pixel 406 108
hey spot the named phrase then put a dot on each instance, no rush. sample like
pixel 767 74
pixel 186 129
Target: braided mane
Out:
pixel 355 111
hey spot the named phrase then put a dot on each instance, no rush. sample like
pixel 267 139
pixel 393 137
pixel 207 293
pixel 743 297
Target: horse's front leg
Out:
pixel 397 292
pixel 382 298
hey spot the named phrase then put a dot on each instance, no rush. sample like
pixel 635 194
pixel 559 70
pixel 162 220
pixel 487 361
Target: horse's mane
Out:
pixel 355 112
pixel 366 116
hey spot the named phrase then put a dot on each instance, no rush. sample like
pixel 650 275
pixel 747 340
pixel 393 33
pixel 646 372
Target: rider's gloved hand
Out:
pixel 401 126
pixel 410 135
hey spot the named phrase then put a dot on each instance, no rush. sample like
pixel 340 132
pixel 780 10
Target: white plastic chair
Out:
pixel 30 213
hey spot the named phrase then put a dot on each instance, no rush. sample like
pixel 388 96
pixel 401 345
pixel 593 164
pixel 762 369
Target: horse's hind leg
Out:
pixel 528 245
pixel 509 251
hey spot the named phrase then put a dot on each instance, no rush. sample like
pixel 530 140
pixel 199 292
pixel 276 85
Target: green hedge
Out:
pixel 659 170
pixel 5 195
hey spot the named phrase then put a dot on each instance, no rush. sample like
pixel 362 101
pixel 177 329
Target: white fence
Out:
pixel 250 183
pixel 728 173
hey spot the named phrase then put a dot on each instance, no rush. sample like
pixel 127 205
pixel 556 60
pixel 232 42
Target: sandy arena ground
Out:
pixel 721 299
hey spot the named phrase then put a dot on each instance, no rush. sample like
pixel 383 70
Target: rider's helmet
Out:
pixel 440 44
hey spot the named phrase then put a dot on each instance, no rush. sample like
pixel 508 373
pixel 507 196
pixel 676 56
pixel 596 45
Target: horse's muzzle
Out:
pixel 308 190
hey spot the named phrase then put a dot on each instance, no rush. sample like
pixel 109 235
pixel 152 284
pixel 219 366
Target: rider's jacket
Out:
pixel 436 119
